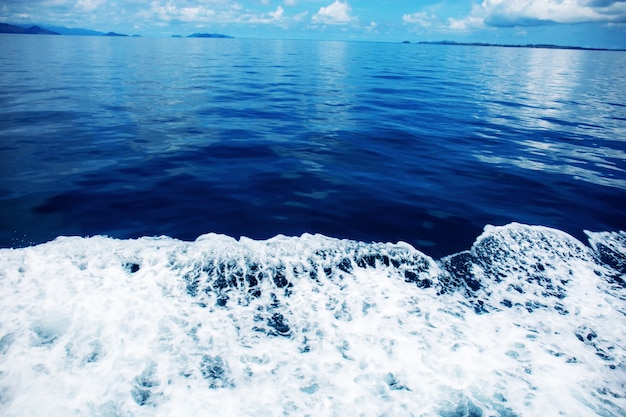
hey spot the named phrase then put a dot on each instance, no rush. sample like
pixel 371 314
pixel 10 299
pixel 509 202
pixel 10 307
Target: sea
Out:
pixel 253 227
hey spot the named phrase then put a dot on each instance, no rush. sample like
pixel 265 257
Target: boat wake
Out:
pixel 529 321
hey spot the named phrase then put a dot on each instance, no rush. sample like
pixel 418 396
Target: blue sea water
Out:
pixel 368 141
pixel 209 226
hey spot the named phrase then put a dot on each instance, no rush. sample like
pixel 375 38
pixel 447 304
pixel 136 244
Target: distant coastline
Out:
pixel 530 45
pixel 59 30
pixel 32 30
pixel 208 35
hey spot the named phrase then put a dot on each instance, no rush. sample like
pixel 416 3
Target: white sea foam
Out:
pixel 528 322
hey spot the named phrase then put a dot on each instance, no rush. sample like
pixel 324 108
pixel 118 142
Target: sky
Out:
pixel 590 23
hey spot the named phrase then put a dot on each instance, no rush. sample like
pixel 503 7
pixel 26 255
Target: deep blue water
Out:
pixel 368 141
pixel 426 144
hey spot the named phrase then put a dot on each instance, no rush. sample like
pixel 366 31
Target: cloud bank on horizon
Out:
pixel 586 22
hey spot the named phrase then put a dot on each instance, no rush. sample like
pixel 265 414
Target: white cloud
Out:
pixel 534 12
pixel 300 16
pixel 215 11
pixel 195 14
pixel 278 14
pixel 337 13
pixel 276 17
pixel 290 2
pixel 522 13
pixel 419 18
pixel 212 11
pixel 89 5
pixel 468 23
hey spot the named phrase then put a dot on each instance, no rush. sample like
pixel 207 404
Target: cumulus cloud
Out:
pixel 468 23
pixel 278 13
pixel 300 16
pixel 522 13
pixel 195 14
pixel 211 11
pixel 218 11
pixel 337 13
pixel 89 5
pixel 422 19
pixel 503 13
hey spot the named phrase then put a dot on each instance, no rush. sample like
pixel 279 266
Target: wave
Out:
pixel 529 321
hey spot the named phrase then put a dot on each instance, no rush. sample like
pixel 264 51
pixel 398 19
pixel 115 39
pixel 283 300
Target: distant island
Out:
pixel 530 45
pixel 209 35
pixel 59 30
pixel 32 30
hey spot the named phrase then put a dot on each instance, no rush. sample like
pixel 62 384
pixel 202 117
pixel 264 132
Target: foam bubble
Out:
pixel 530 321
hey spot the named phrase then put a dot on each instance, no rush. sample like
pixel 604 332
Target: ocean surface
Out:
pixel 278 227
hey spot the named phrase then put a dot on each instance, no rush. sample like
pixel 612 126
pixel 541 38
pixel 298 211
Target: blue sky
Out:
pixel 596 23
